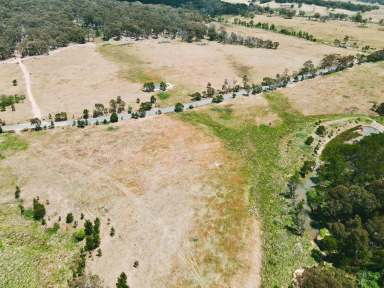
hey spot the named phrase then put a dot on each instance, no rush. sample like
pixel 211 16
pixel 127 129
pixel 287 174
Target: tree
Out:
pixel 122 281
pixel 163 86
pixel 88 227
pixel 38 210
pixel 179 107
pixel 85 114
pixel 14 82
pixel 309 141
pixel 17 192
pixel 153 99
pixel 37 123
pixel 112 232
pixel 114 118
pixel 69 218
pixel 149 87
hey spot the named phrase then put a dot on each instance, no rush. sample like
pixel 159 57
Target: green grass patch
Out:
pixel 271 155
pixel 12 143
pixel 163 96
pixel 31 257
pixel 132 67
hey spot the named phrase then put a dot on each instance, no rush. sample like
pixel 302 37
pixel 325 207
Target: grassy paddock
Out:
pixel 30 256
pixel 271 154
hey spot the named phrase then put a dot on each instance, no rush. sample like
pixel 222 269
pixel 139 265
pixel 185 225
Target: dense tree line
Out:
pixel 222 36
pixel 210 7
pixel 334 4
pixel 349 203
pixel 35 27
pixel 272 27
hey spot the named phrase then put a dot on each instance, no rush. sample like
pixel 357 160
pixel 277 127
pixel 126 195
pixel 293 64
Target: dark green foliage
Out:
pixel 62 116
pixel 307 167
pixel 112 232
pixel 325 277
pixel 321 131
pixel 376 56
pixel 38 210
pixel 114 117
pixel 218 99
pixel 88 227
pixel 153 99
pixel 309 141
pixel 349 202
pixel 334 4
pixel 179 107
pixel 38 26
pixel 145 106
pixel 17 192
pixel 149 87
pixel 99 253
pixel 69 218
pixel 122 281
pixel 163 86
pixel 79 235
pixel 380 109
pixel 10 100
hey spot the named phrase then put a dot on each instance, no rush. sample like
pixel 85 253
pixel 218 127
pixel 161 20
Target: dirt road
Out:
pixel 28 87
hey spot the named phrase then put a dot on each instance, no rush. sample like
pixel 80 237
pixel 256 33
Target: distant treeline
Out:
pixel 211 7
pixel 272 27
pixel 334 4
pixel 34 27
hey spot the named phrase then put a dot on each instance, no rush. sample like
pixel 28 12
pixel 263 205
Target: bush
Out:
pixel 325 277
pixel 38 210
pixel 114 118
pixel 309 141
pixel 69 218
pixel 149 87
pixel 79 235
pixel 321 131
pixel 179 107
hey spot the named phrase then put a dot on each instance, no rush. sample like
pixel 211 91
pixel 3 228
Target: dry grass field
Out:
pixel 354 90
pixel 78 77
pixel 8 73
pixel 370 34
pixel 167 188
pixel 191 66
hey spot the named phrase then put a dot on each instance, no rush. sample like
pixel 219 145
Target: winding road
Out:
pixel 28 86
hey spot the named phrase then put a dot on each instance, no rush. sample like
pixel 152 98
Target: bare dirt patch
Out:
pixel 354 90
pixel 156 180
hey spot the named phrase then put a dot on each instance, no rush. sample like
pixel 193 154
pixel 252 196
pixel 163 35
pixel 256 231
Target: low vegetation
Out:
pixel 11 100
pixel 268 166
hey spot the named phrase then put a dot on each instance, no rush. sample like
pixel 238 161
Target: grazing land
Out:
pixel 326 32
pixel 351 91
pixel 168 189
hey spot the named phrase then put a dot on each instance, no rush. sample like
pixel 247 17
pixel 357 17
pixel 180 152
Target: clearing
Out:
pixel 351 91
pixel 167 188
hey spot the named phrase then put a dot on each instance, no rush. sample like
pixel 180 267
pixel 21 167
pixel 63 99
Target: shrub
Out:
pixel 17 192
pixel 122 281
pixel 179 107
pixel 38 210
pixel 79 235
pixel 114 118
pixel 321 131
pixel 149 87
pixel 309 141
pixel 69 218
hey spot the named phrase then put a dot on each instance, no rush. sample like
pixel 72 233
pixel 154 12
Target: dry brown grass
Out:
pixel 371 34
pixel 163 184
pixel 76 78
pixel 8 73
pixel 354 90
